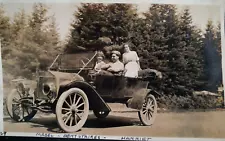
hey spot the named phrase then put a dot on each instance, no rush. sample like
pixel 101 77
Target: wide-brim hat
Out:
pixel 116 52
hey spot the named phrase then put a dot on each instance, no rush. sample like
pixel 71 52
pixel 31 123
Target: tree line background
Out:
pixel 165 40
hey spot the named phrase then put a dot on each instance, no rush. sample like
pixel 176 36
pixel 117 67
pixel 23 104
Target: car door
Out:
pixel 104 84
pixel 125 87
pixel 119 87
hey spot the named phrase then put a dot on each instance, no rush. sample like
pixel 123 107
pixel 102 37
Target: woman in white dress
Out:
pixel 131 62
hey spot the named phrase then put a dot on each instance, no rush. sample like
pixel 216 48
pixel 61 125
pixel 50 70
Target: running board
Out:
pixel 42 110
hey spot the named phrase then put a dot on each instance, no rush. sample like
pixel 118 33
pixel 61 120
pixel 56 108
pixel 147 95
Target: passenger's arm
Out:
pixel 118 69
pixel 105 66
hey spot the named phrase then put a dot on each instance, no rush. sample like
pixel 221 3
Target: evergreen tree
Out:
pixel 219 52
pixel 170 44
pixel 176 75
pixel 121 19
pixel 213 69
pixel 192 53
pixel 162 43
pixel 36 22
pixel 89 25
pixel 16 56
pixel 218 39
pixel 19 24
pixel 52 31
pixel 35 44
pixel 52 44
pixel 149 39
pixel 4 31
pixel 18 30
pixel 99 25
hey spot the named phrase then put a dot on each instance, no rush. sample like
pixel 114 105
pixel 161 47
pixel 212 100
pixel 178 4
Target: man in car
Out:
pixel 116 66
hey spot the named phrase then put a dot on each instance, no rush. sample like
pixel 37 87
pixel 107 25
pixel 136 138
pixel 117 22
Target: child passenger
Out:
pixel 99 63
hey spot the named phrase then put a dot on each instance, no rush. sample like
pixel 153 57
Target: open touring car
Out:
pixel 69 89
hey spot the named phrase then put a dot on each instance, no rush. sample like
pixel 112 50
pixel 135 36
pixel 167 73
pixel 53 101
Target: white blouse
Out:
pixel 132 67
pixel 130 57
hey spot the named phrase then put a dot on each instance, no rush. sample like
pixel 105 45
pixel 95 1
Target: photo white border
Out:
pixel 1 92
pixel 195 2
pixel 222 14
pixel 221 3
pixel 102 137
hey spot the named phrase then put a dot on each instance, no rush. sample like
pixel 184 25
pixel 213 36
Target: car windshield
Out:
pixel 78 60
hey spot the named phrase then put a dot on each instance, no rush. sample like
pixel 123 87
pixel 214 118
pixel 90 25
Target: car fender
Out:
pixel 95 100
pixel 137 100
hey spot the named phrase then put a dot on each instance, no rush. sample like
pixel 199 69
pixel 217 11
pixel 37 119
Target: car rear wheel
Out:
pixel 148 112
pixel 72 110
pixel 101 114
pixel 17 109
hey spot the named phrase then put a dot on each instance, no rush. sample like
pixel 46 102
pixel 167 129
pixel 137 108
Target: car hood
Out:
pixel 65 78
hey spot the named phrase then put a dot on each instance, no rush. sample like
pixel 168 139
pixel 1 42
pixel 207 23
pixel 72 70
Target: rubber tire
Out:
pixel 98 115
pixel 10 112
pixel 151 121
pixel 59 108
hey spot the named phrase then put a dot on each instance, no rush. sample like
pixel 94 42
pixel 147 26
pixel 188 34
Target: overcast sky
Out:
pixel 64 13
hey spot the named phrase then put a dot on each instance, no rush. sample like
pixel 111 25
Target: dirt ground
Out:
pixel 186 124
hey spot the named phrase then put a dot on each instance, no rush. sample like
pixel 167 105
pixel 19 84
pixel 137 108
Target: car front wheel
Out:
pixel 72 110
pixel 18 109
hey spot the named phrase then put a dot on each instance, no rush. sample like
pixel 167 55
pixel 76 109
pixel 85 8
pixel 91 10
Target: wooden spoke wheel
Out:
pixel 148 112
pixel 72 110
pixel 18 109
pixel 101 114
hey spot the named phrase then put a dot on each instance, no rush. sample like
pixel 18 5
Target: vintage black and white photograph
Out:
pixel 113 69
